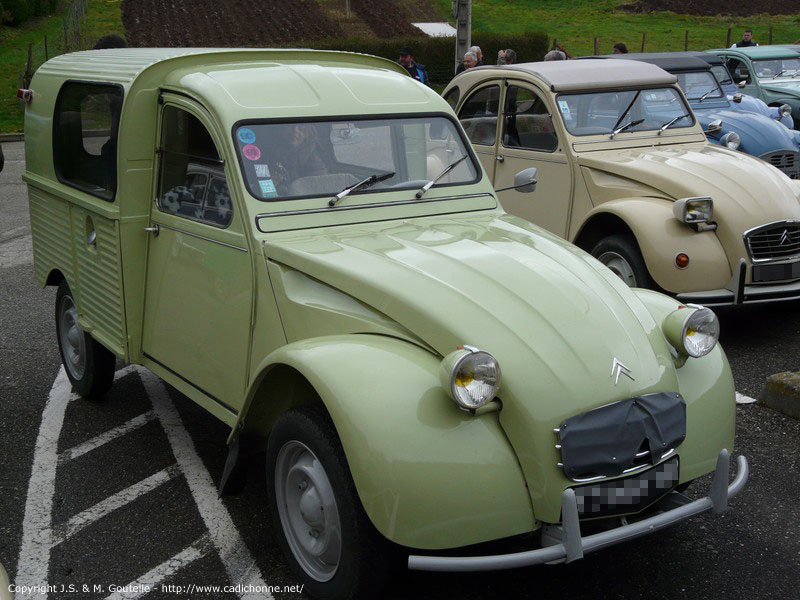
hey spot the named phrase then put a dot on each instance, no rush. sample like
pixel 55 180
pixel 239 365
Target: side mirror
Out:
pixel 737 98
pixel 714 127
pixel 741 83
pixel 525 181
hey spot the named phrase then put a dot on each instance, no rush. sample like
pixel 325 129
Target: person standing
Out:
pixel 477 53
pixel 619 48
pixel 747 40
pixel 416 70
pixel 555 55
pixel 506 57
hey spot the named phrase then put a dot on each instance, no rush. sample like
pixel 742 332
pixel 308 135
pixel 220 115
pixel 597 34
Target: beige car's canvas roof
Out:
pixel 574 75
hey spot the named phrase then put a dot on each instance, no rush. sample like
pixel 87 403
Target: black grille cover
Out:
pixel 604 441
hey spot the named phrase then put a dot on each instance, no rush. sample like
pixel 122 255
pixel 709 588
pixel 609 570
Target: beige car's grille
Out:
pixel 776 241
pixel 788 162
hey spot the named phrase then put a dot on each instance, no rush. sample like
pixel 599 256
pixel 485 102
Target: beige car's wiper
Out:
pixel 669 124
pixel 624 127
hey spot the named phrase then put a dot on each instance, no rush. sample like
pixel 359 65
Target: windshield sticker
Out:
pixel 246 136
pixel 262 170
pixel 267 188
pixel 562 104
pixel 251 152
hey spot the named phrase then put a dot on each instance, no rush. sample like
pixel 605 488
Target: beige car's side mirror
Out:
pixel 525 181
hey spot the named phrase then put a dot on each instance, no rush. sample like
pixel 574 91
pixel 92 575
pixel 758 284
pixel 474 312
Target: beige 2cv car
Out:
pixel 305 244
pixel 626 173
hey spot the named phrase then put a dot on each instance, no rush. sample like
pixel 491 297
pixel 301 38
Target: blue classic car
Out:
pixel 749 132
pixel 738 99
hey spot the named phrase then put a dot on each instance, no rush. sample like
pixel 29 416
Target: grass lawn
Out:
pixel 103 18
pixel 576 23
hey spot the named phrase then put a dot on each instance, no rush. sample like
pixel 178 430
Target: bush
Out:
pixel 438 53
pixel 16 12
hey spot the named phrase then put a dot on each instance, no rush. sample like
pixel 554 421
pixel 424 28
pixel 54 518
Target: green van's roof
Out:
pixel 244 83
pixel 761 52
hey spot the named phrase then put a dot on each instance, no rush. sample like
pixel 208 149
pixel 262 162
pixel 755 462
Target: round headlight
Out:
pixel 731 140
pixel 692 330
pixel 786 110
pixel 471 376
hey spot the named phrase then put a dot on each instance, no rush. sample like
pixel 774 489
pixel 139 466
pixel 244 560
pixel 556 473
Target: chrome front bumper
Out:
pixel 571 546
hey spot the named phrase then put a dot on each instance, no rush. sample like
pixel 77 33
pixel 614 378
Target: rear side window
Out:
pixel 85 131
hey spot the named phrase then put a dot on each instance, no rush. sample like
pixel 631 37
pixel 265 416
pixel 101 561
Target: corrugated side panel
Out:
pixel 50 229
pixel 99 276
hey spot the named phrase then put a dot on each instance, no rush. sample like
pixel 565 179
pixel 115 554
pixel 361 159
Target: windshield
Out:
pixel 722 74
pixel 699 84
pixel 781 67
pixel 304 159
pixel 603 112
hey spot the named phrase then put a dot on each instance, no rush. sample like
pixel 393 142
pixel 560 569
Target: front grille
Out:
pixel 775 241
pixel 788 162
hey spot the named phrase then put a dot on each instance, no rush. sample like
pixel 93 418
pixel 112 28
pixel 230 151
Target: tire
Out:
pixel 312 495
pixel 621 254
pixel 89 364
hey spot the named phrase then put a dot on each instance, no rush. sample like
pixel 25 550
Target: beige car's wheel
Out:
pixel 621 254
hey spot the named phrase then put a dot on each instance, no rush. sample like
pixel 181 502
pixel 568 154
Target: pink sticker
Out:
pixel 251 152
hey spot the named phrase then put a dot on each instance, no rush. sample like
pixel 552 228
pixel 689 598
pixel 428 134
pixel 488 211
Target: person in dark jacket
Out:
pixel 416 70
pixel 747 40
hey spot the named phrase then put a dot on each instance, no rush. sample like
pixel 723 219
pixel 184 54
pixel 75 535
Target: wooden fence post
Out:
pixel 728 39
pixel 596 46
pixel 555 44
pixel 686 41
pixel 770 35
pixel 644 39
pixel 29 67
pixel 66 39
pixel 46 53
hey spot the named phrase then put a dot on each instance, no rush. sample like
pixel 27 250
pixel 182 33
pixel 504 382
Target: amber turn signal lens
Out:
pixel 682 260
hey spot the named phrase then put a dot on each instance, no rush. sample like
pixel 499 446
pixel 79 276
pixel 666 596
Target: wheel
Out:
pixel 89 365
pixel 621 254
pixel 316 511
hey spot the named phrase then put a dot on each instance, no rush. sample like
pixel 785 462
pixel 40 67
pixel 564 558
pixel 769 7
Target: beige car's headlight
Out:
pixel 692 330
pixel 470 376
pixel 694 210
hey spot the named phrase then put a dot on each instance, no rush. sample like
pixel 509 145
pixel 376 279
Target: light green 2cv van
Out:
pixel 305 244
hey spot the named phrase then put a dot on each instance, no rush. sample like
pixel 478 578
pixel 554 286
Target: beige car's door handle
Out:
pixel 500 158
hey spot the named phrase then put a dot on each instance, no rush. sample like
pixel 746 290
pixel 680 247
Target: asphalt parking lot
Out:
pixel 117 498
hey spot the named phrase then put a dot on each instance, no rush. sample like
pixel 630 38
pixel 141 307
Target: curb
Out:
pixel 782 393
pixel 12 137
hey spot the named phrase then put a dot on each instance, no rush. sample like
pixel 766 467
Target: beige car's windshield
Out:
pixel 594 113
pixel 781 67
pixel 322 158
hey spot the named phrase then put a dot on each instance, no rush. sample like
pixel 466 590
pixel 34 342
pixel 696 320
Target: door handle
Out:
pixel 500 158
pixel 155 229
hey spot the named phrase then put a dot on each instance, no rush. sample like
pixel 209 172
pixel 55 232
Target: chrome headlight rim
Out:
pixel 731 140
pixel 694 317
pixel 683 211
pixel 453 364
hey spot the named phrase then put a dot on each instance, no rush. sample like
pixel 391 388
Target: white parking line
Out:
pixel 112 503
pixel 106 437
pixel 233 552
pixel 37 540
pixel 163 571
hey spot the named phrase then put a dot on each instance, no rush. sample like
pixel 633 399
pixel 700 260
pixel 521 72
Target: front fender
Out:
pixel 706 385
pixel 661 237
pixel 428 474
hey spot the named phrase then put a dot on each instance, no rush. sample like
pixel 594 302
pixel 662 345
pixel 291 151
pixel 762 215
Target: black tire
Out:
pixel 89 364
pixel 621 254
pixel 365 559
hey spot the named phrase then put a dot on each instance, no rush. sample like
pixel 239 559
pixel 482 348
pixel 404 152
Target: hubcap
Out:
pixel 620 266
pixel 308 512
pixel 70 335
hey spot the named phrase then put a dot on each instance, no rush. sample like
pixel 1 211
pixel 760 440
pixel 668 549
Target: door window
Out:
pixel 192 180
pixel 739 70
pixel 527 122
pixel 478 115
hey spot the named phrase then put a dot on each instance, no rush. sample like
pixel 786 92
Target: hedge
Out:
pixel 16 12
pixel 437 53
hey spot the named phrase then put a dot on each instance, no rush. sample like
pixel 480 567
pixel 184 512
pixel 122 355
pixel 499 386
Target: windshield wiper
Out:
pixel 786 71
pixel 704 96
pixel 668 124
pixel 447 169
pixel 624 127
pixel 624 113
pixel 364 183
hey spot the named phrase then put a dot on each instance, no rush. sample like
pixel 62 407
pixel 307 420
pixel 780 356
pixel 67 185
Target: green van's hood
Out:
pixel 554 318
pixel 747 192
